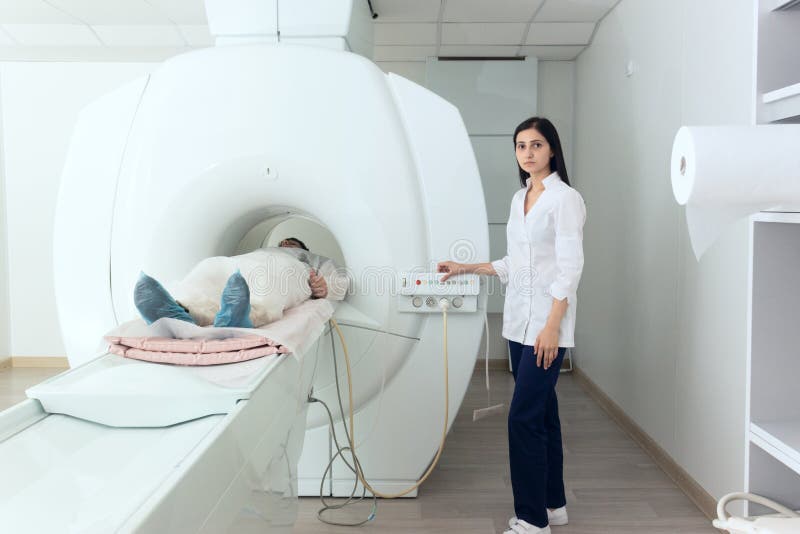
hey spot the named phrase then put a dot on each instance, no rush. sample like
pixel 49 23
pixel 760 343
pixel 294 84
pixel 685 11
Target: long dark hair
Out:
pixel 546 128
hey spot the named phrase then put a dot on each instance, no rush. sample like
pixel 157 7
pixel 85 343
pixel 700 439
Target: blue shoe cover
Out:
pixel 155 302
pixel 234 308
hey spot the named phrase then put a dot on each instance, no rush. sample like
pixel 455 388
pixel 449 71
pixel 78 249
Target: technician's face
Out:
pixel 533 153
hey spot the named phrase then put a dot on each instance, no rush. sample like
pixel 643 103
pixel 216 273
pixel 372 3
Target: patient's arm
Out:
pixel 318 285
pixel 336 280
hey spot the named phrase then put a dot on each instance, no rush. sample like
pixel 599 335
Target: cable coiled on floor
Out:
pixel 350 432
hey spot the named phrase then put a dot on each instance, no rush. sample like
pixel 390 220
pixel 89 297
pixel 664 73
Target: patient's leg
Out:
pixel 201 289
pixel 235 303
pixel 154 302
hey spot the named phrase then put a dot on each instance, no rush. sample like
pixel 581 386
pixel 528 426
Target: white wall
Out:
pixel 663 335
pixel 40 103
pixel 557 102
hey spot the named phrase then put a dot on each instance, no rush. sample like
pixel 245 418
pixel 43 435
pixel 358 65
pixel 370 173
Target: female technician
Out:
pixel 541 269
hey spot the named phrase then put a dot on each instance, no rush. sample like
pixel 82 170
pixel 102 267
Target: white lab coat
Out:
pixel 544 261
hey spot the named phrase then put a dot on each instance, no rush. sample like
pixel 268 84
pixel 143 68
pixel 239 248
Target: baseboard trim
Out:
pixel 5 362
pixel 699 496
pixel 40 361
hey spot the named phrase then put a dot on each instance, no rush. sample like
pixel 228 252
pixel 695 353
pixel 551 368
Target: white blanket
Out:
pixel 277 281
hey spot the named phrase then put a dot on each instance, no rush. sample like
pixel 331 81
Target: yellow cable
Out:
pixel 444 429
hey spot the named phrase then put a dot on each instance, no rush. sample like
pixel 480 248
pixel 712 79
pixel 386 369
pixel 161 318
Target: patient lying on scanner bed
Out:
pixel 247 291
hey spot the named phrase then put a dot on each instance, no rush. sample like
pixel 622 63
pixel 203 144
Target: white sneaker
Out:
pixel 523 527
pixel 556 518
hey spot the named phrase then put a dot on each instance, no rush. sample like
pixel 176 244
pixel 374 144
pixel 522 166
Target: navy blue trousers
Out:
pixel 534 437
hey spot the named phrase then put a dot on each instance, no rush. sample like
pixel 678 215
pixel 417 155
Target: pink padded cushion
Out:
pixel 197 358
pixel 194 346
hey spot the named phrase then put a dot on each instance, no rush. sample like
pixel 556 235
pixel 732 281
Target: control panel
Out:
pixel 421 292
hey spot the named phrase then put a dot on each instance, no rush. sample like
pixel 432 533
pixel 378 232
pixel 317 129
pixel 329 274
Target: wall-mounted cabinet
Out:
pixel 491 95
pixel 499 173
pixel 772 465
pixel 778 61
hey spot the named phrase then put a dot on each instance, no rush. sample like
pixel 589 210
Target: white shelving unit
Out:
pixel 772 463
pixel 781 439
pixel 781 105
pixel 778 61
pixel 772 451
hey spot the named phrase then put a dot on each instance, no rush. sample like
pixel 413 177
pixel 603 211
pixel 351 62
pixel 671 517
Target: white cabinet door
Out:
pixel 492 96
pixel 499 174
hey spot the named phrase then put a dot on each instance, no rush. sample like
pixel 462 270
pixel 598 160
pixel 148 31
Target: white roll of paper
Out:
pixel 725 173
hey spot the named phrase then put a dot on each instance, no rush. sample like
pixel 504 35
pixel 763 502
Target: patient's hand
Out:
pixel 319 287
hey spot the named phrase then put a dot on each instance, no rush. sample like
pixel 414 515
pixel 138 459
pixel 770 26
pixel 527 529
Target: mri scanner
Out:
pixel 276 130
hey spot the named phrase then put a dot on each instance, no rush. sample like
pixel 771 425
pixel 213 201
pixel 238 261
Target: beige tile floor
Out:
pixel 14 381
pixel 612 485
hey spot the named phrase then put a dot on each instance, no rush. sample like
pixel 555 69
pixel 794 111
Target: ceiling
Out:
pixel 29 25
pixel 409 30
pixel 405 30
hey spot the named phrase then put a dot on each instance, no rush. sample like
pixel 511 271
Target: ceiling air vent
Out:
pixel 484 58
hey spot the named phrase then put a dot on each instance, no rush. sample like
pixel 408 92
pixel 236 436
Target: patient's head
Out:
pixel 293 242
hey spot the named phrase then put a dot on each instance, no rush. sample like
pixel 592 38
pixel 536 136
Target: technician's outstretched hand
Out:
pixel 319 287
pixel 546 346
pixel 450 268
